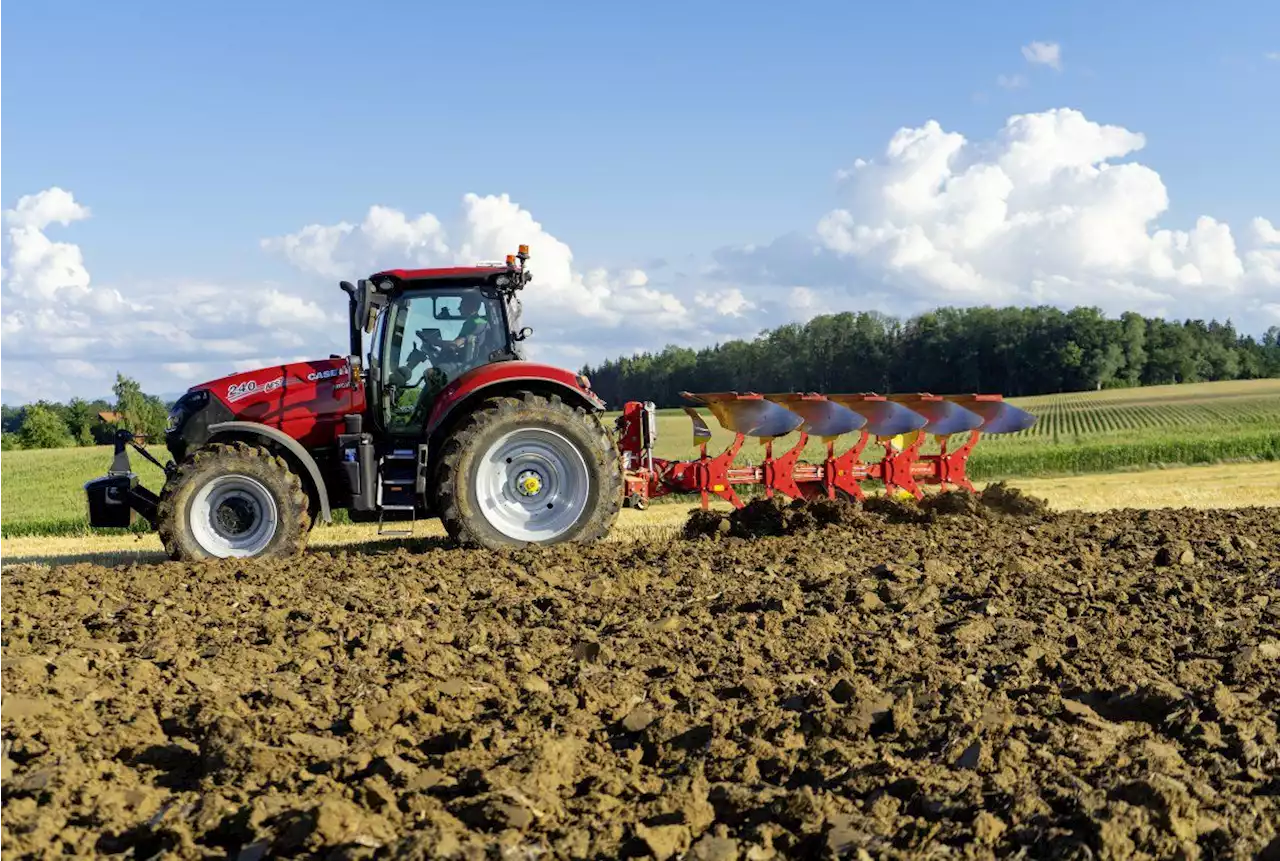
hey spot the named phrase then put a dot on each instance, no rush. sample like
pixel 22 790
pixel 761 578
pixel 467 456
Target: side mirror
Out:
pixel 523 333
pixel 371 302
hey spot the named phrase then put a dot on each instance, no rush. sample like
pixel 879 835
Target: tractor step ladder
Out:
pixel 397 489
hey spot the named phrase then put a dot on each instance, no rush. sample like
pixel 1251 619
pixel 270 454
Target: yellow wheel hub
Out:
pixel 530 484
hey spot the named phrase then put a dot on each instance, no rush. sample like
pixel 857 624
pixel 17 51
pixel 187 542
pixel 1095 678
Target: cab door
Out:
pixel 428 339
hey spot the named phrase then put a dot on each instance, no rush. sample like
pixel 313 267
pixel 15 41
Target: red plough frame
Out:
pixel 898 424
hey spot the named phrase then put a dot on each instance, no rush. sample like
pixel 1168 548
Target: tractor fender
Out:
pixel 291 445
pixel 493 379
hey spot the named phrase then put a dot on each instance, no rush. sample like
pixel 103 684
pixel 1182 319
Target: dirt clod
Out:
pixel 971 677
pixel 780 516
pixel 1000 497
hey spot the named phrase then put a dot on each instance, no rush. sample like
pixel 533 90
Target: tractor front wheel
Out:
pixel 528 470
pixel 235 500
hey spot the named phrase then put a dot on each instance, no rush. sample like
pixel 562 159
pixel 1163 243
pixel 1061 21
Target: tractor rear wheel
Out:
pixel 233 500
pixel 528 470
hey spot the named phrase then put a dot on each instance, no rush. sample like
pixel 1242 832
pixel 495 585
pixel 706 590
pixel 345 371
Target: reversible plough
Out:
pixel 900 424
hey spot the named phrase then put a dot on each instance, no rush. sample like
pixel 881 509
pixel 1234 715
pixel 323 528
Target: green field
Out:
pixel 42 492
pixel 1079 433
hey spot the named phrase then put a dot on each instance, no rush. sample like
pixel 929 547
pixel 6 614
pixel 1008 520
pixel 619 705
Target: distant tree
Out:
pixel 44 428
pixel 140 413
pixel 81 420
pixel 11 418
pixel 1133 342
pixel 9 441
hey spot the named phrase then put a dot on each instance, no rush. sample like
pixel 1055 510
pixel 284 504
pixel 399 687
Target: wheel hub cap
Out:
pixel 529 483
pixel 532 485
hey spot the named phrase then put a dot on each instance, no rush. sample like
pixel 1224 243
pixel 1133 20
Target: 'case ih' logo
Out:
pixel 324 375
pixel 240 391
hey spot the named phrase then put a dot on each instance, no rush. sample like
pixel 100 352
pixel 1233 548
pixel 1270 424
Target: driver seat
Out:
pixel 478 347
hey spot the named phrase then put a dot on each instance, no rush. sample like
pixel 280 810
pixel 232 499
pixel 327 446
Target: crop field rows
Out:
pixel 1085 416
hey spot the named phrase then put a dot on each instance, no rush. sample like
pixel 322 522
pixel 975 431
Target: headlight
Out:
pixel 185 406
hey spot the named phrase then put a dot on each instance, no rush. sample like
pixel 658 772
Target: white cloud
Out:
pixel 1044 54
pixel 51 206
pixel 729 302
pixel 389 229
pixel 570 308
pixel 1045 198
pixel 65 335
pixel 78 368
pixel 255 362
pixel 182 370
pixel 1265 232
pixel 1054 209
pixel 38 267
pixel 280 309
pixel 1037 54
pixel 807 302
pixel 1273 56
pixel 314 247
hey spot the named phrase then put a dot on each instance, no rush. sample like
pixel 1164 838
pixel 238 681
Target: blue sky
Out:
pixel 633 135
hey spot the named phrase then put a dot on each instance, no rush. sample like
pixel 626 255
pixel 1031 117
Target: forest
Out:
pixel 48 424
pixel 1007 351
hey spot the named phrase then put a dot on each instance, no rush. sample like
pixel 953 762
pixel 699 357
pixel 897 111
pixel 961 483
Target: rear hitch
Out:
pixel 116 497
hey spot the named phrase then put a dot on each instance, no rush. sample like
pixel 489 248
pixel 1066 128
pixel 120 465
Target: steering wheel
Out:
pixel 430 347
pixel 430 343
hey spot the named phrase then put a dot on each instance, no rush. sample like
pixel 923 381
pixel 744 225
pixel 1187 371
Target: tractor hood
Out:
pixel 243 390
pixel 306 400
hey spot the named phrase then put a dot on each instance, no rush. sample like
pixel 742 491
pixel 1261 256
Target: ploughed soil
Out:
pixel 970 678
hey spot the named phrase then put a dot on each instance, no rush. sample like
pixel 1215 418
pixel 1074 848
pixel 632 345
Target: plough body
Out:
pixel 899 424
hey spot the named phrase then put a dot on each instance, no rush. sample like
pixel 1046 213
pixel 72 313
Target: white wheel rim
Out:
pixel 532 485
pixel 234 515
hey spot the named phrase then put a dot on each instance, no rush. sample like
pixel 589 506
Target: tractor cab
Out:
pixel 428 328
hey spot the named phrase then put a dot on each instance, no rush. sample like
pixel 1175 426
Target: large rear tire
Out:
pixel 235 500
pixel 528 470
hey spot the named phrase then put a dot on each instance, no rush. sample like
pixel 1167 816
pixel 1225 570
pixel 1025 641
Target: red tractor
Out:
pixel 446 419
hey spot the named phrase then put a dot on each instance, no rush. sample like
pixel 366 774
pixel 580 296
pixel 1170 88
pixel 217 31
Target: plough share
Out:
pixel 900 424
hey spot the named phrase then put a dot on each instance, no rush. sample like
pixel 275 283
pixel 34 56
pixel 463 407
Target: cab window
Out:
pixel 433 338
pixel 446 313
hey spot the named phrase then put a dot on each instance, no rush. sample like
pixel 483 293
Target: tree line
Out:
pixel 1007 351
pixel 48 424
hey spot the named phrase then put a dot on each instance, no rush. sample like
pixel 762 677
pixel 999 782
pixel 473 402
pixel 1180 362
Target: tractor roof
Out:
pixel 507 277
pixel 451 273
